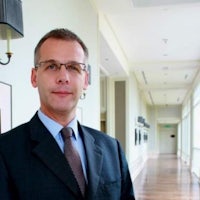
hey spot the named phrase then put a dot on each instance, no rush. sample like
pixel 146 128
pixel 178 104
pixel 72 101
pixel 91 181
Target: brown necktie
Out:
pixel 73 158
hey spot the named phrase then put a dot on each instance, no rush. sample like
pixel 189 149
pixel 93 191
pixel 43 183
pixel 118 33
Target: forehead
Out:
pixel 62 50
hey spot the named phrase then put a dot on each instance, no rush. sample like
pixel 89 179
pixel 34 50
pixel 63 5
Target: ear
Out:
pixel 34 77
pixel 86 80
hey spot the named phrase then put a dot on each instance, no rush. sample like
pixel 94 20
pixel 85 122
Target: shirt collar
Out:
pixel 54 127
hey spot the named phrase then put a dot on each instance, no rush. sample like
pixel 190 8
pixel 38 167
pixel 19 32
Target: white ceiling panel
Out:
pixel 161 42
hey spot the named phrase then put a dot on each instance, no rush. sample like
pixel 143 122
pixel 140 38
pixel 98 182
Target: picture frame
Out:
pixel 5 107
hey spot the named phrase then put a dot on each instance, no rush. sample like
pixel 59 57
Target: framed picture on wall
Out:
pixel 139 137
pixel 5 107
pixel 136 137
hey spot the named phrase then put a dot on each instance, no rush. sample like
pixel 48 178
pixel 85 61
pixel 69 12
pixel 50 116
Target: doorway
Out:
pixel 168 139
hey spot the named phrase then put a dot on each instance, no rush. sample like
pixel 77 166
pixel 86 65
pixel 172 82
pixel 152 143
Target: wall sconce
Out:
pixel 11 23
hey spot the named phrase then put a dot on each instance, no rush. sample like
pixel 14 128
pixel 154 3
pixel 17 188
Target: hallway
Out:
pixel 166 178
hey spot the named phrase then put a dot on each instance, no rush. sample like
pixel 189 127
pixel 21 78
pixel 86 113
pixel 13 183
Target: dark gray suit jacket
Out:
pixel 32 166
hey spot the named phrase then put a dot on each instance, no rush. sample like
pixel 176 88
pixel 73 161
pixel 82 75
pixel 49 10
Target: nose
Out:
pixel 63 75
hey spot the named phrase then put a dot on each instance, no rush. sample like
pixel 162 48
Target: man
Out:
pixel 32 161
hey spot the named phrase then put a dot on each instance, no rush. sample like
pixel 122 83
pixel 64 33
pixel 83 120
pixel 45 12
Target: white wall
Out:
pixel 135 106
pixel 169 112
pixel 40 17
pixel 153 147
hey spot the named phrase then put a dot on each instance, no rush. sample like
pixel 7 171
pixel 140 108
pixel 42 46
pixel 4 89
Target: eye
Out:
pixel 74 67
pixel 52 66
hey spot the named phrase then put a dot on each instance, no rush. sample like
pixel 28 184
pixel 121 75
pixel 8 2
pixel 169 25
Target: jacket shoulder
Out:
pixel 16 135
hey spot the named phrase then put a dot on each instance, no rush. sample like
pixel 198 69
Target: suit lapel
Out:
pixel 47 150
pixel 94 160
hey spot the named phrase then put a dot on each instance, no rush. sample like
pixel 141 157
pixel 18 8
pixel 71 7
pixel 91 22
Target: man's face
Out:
pixel 59 88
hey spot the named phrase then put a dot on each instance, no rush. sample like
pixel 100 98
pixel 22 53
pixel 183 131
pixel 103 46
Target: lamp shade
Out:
pixel 11 21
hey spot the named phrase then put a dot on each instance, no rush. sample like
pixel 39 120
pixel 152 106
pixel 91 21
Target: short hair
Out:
pixel 62 34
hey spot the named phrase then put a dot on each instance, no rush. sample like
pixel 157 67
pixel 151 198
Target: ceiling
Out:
pixel 159 41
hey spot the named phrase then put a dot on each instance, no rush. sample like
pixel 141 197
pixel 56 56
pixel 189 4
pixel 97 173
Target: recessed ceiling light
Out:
pixel 165 9
pixel 165 68
pixel 165 40
pixel 186 76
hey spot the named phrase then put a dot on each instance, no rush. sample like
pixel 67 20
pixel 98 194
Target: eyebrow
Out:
pixel 52 60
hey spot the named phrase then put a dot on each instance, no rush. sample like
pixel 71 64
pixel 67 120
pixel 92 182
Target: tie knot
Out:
pixel 66 133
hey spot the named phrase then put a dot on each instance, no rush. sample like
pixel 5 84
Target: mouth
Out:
pixel 62 93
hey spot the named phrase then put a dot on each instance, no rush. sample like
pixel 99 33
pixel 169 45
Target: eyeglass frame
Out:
pixel 84 68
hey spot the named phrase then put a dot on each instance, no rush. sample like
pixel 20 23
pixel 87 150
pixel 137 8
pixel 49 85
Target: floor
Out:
pixel 166 178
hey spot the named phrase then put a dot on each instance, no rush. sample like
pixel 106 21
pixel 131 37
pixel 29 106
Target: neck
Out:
pixel 63 118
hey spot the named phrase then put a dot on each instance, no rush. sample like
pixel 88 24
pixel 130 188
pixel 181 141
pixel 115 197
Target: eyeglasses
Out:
pixel 55 66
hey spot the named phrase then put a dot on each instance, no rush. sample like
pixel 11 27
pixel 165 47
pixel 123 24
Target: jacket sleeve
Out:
pixel 127 191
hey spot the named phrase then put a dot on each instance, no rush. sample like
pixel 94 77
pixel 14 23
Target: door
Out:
pixel 168 139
